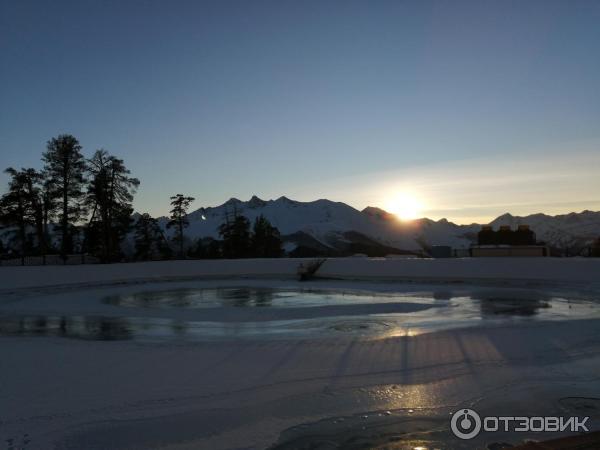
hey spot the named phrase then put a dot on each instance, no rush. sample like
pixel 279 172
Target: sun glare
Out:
pixel 405 206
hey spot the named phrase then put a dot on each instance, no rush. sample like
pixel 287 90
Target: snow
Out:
pixel 446 269
pixel 326 221
pixel 564 230
pixel 242 391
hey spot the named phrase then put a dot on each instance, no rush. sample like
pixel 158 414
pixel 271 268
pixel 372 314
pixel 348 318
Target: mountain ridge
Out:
pixel 341 227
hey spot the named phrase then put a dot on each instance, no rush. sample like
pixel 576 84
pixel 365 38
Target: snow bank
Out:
pixel 464 269
pixel 521 269
pixel 47 276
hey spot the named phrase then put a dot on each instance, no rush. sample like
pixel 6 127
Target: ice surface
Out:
pixel 201 364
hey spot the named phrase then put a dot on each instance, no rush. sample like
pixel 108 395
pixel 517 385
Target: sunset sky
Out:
pixel 470 109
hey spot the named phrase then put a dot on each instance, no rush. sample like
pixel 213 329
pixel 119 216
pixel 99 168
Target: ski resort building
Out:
pixel 507 242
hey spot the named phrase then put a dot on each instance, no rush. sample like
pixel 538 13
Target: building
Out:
pixel 441 251
pixel 509 250
pixel 595 250
pixel 507 242
pixel 523 235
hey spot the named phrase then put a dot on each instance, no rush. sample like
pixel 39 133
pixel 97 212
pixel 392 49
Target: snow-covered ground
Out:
pixel 547 270
pixel 238 354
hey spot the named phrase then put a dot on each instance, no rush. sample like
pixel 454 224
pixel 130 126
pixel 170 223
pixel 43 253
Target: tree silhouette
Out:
pixel 15 209
pixel 213 249
pixel 23 207
pixel 235 233
pixel 110 193
pixel 33 183
pixel 197 249
pixel 266 239
pixel 65 166
pixel 178 219
pixel 149 239
pixel 49 201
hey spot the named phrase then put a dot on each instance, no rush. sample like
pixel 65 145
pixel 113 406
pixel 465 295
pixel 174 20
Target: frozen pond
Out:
pixel 197 313
pixel 259 363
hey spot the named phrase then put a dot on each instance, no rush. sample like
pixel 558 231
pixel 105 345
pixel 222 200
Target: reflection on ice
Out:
pixel 253 297
pixel 154 329
pixel 269 313
pixel 97 328
pixel 512 306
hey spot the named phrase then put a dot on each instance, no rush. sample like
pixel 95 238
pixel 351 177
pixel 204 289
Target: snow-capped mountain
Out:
pixel 321 224
pixel 324 227
pixel 337 227
pixel 565 231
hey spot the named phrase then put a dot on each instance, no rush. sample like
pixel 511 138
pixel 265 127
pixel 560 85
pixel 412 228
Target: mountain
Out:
pixel 334 228
pixel 324 227
pixel 564 231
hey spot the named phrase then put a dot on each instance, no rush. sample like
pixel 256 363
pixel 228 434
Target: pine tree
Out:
pixel 65 167
pixel 197 250
pixel 24 209
pixel 266 239
pixel 33 183
pixel 235 233
pixel 213 249
pixel 15 210
pixel 180 204
pixel 110 194
pixel 49 207
pixel 149 239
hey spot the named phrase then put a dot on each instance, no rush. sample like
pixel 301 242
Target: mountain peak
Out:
pixel 256 202
pixel 378 213
pixel 504 219
pixel 506 216
pixel 284 199
pixel 232 202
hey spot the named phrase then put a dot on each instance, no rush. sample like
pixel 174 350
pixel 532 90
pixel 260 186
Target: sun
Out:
pixel 406 206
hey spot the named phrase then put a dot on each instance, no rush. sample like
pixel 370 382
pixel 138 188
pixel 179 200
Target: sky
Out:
pixel 466 109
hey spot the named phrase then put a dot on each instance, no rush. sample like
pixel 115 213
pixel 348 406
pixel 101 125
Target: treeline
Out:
pixel 78 205
pixel 240 240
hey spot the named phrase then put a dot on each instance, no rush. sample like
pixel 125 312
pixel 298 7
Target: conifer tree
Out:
pixel 65 167
pixel 23 208
pixel 235 233
pixel 266 239
pixel 149 239
pixel 33 183
pixel 49 205
pixel 212 249
pixel 178 219
pixel 15 210
pixel 110 194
